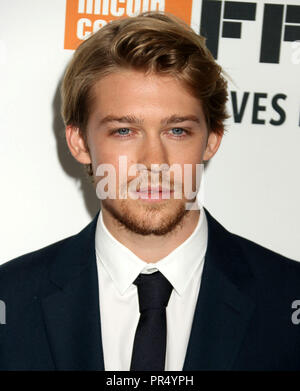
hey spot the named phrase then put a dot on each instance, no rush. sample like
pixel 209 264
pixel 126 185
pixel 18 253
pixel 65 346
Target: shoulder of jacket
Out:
pixel 265 260
pixel 29 267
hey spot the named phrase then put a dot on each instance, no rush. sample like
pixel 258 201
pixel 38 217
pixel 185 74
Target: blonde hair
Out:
pixel 151 42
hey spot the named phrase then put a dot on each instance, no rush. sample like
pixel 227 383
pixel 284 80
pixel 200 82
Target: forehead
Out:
pixel 130 90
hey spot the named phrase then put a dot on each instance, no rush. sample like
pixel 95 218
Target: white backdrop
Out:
pixel 251 185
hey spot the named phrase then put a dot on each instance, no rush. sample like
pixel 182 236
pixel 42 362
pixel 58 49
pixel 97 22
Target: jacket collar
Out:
pixel 223 309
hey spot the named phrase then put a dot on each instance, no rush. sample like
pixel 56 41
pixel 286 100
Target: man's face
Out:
pixel 151 120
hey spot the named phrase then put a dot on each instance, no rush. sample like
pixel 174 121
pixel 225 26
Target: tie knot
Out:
pixel 154 290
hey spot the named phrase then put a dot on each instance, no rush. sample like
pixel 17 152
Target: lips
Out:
pixel 154 190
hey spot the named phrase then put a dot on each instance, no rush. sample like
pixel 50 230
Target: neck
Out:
pixel 152 248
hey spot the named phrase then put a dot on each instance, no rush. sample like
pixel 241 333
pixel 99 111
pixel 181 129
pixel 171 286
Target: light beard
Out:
pixel 172 217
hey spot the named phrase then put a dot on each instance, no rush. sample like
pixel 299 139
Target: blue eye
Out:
pixel 121 132
pixel 180 129
pixel 178 132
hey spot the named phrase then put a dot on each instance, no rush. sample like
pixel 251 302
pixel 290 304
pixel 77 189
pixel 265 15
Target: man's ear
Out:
pixel 213 143
pixel 77 145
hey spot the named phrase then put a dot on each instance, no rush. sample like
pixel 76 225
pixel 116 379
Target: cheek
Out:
pixel 102 154
pixel 191 152
pixel 188 157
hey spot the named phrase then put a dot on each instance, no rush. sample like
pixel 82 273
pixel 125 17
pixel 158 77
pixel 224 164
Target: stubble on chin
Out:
pixel 156 219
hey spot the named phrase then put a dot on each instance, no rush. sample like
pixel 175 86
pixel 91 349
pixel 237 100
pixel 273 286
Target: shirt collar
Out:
pixel 178 266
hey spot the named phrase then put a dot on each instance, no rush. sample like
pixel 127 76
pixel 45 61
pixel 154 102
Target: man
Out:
pixel 149 284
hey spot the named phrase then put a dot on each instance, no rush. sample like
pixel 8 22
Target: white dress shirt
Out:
pixel 118 267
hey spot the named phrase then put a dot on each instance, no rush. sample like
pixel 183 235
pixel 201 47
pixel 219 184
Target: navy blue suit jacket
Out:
pixel 242 320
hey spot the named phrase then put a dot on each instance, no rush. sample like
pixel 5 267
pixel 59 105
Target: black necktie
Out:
pixel 149 347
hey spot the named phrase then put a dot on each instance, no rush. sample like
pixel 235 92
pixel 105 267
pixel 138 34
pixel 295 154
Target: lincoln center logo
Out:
pixel 84 17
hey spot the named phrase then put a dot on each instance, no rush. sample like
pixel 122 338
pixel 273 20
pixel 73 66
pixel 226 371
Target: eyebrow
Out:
pixel 131 119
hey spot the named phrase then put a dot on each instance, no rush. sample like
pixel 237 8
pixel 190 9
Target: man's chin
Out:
pixel 147 218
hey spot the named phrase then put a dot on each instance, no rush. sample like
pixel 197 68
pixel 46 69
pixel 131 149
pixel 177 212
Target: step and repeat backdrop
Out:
pixel 252 184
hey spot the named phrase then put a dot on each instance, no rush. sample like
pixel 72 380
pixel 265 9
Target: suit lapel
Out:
pixel 70 305
pixel 222 311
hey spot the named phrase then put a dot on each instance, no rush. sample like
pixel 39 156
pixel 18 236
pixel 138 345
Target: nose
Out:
pixel 152 151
